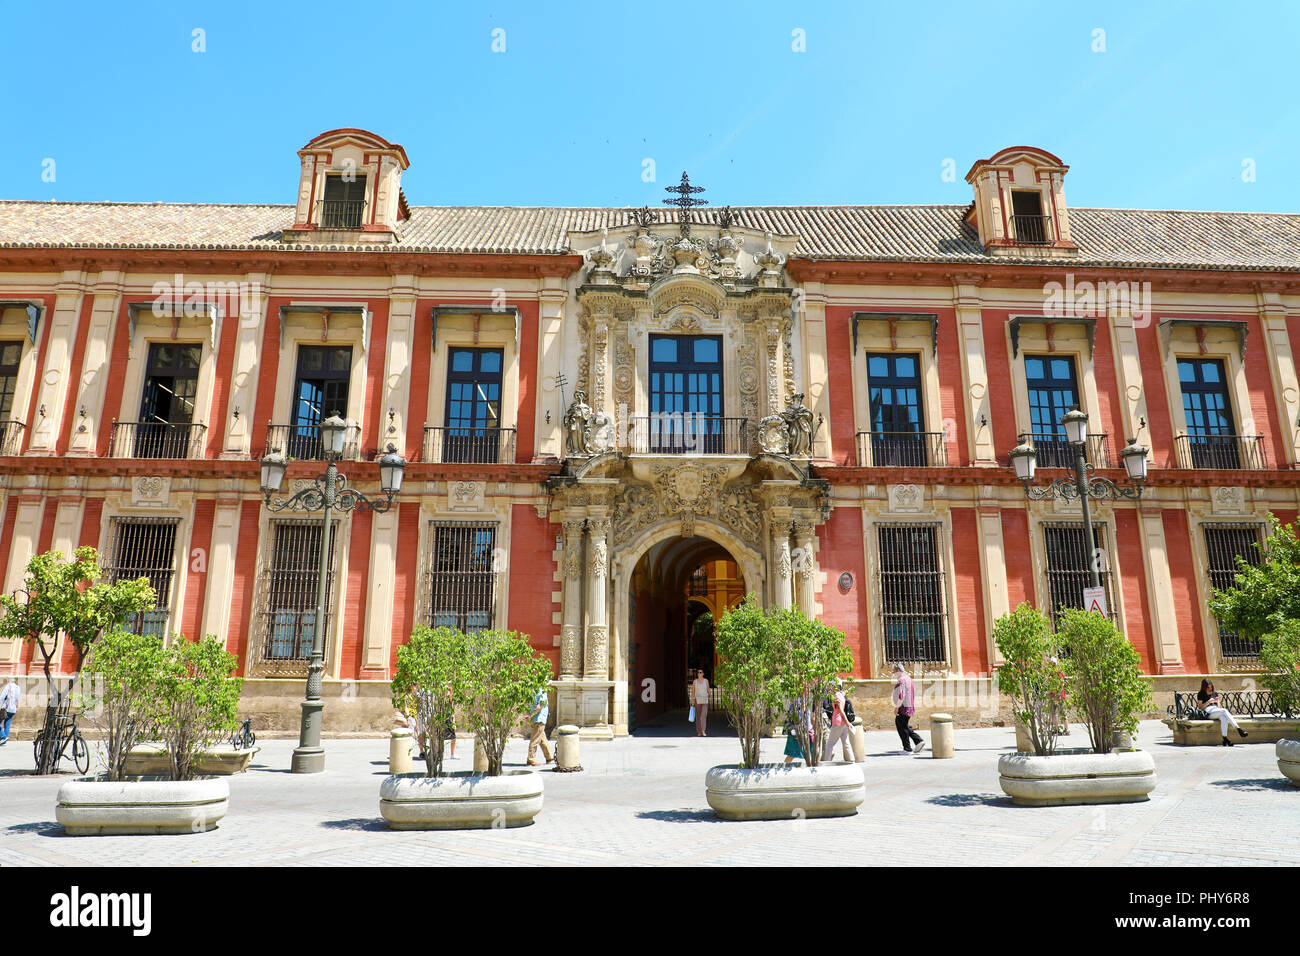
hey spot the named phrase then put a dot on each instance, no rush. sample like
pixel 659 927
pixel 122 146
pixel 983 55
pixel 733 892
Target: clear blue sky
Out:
pixel 583 93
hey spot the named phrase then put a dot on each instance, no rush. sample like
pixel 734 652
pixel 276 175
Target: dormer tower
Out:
pixel 349 189
pixel 1019 206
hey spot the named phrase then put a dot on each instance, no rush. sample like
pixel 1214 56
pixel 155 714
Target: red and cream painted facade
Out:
pixel 594 548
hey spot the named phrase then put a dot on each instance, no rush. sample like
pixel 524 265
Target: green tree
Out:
pixel 1263 597
pixel 428 668
pixel 748 673
pixel 198 700
pixel 123 702
pixel 496 687
pixel 813 655
pixel 1279 656
pixel 66 598
pixel 1107 688
pixel 1031 675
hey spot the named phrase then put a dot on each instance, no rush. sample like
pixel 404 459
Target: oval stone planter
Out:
pixel 89 807
pixel 460 801
pixel 1288 759
pixel 782 792
pixel 1125 776
pixel 151 760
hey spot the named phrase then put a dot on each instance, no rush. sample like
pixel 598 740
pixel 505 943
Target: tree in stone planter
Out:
pixel 428 667
pixel 496 686
pixel 123 669
pixel 67 598
pixel 748 673
pixel 1107 688
pixel 1031 674
pixel 198 700
pixel 1279 657
pixel 812 656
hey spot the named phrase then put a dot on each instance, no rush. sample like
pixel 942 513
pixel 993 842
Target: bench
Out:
pixel 1254 710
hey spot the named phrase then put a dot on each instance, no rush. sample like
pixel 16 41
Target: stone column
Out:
pixel 46 415
pixel 381 585
pixel 95 366
pixel 27 524
pixel 775 373
pixel 805 574
pixel 1159 583
pixel 1272 321
pixel 571 664
pixel 243 372
pixel 781 570
pixel 221 571
pixel 1128 373
pixel 974 369
pixel 552 298
pixel 596 642
pixel 998 602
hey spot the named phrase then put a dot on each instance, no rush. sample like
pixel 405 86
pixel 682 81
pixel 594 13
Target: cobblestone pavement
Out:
pixel 640 801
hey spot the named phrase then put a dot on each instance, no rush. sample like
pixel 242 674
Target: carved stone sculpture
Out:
pixel 577 426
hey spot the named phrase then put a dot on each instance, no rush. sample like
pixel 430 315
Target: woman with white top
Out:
pixel 700 698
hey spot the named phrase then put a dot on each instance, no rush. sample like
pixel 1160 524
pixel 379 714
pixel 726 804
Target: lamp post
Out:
pixel 1084 485
pixel 326 493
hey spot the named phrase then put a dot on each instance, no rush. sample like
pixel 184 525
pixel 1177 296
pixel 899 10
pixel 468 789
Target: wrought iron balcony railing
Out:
pixel 1032 230
pixel 483 446
pixel 157 440
pixel 11 437
pixel 341 213
pixel 673 433
pixel 1234 452
pixel 902 450
pixel 303 441
pixel 1054 451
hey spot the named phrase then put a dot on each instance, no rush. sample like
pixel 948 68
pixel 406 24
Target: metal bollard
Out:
pixel 941 741
pixel 859 741
pixel 566 748
pixel 480 757
pixel 399 751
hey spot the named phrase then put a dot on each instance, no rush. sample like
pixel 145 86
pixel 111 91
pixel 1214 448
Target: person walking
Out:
pixel 841 722
pixel 904 697
pixel 700 698
pixel 537 738
pixel 8 707
pixel 1209 700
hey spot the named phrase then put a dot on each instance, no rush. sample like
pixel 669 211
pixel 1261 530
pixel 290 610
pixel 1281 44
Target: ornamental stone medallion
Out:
pixel 151 491
pixel 906 498
pixel 1228 501
pixel 466 495
pixel 688 484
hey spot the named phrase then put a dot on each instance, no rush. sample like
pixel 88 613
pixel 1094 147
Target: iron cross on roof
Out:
pixel 684 201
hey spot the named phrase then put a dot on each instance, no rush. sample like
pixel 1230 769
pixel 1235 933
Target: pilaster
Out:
pixel 974 370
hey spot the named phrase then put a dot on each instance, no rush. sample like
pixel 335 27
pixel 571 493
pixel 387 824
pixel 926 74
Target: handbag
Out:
pixel 691 717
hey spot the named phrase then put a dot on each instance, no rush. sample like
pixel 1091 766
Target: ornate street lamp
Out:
pixel 326 493
pixel 1084 485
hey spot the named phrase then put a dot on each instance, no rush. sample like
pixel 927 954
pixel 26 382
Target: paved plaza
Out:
pixel 640 801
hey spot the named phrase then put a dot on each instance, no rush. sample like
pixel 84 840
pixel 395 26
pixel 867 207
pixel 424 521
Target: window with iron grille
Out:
pixel 290 577
pixel 460 582
pixel 344 202
pixel 1069 565
pixel 144 548
pixel 911 578
pixel 1224 543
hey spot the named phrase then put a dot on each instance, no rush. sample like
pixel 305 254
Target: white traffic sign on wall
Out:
pixel 1094 599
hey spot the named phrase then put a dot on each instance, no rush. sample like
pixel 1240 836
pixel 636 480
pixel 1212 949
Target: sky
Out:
pixel 1152 105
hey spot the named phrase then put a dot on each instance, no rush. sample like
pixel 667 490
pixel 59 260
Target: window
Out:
pixel 11 354
pixel 461 580
pixel 911 592
pixel 1027 219
pixel 290 581
pixel 1224 543
pixel 345 200
pixel 144 548
pixel 686 394
pixel 171 380
pixel 897 419
pixel 1208 412
pixel 473 432
pixel 1069 566
pixel 1053 391
pixel 320 390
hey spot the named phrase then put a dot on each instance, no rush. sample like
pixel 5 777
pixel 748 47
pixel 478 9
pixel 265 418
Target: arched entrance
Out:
pixel 677 590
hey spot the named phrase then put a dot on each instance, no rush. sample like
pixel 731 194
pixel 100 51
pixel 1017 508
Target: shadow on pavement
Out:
pixel 40 828
pixel 371 824
pixel 680 816
pixel 1257 783
pixel 971 800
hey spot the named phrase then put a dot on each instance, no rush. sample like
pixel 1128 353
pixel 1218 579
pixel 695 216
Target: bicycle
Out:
pixel 244 738
pixel 64 732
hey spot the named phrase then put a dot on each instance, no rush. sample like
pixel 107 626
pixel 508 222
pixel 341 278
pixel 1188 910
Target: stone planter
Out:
pixel 91 807
pixel 784 792
pixel 1288 759
pixel 151 760
pixel 1125 776
pixel 460 801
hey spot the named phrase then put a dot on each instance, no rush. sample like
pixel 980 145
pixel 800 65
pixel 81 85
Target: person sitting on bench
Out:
pixel 1209 700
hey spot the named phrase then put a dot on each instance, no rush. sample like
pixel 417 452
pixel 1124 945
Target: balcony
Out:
pixel 303 441
pixel 11 437
pixel 1032 230
pixel 902 450
pixel 1232 452
pixel 341 213
pixel 688 434
pixel 1054 451
pixel 478 446
pixel 156 440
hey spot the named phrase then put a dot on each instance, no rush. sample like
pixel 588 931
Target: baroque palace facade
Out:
pixel 616 420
